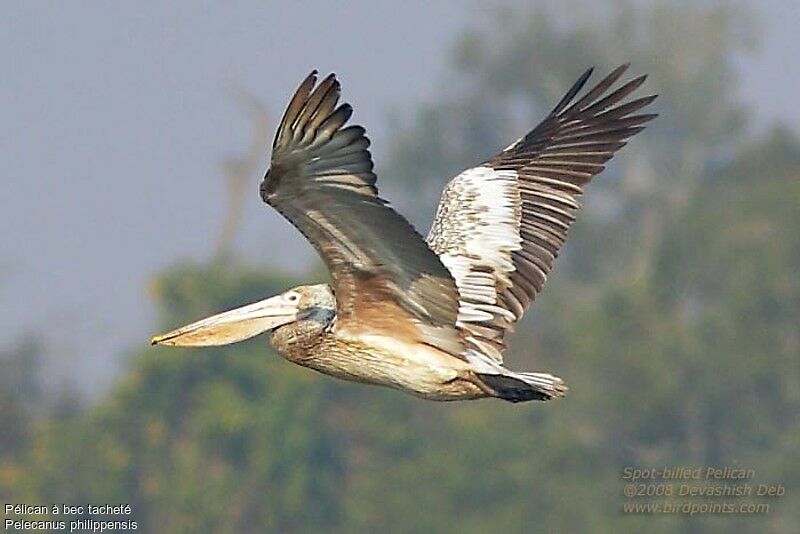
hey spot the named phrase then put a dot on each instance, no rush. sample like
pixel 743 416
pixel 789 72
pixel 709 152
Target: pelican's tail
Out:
pixel 520 387
pixel 512 386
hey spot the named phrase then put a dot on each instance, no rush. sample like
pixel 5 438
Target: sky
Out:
pixel 116 118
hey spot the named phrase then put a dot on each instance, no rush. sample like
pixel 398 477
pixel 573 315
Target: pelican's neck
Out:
pixel 296 340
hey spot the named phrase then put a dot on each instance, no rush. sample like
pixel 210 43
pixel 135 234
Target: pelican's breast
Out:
pixel 380 360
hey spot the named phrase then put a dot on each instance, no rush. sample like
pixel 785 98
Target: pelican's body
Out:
pixel 377 360
pixel 317 343
pixel 428 317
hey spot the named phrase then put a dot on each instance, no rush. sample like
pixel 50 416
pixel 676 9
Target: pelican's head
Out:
pixel 300 303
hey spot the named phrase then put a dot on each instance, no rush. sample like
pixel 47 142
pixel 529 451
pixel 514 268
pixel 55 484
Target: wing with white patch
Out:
pixel 500 226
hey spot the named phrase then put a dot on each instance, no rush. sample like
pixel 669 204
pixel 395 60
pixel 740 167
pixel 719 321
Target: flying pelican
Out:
pixel 425 316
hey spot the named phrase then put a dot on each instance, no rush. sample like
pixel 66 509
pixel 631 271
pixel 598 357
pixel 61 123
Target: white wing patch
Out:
pixel 479 215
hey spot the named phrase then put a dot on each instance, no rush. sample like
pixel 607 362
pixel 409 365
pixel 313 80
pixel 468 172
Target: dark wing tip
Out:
pixel 314 145
pixel 574 90
pixel 294 107
pixel 638 81
pixel 308 82
pixel 329 78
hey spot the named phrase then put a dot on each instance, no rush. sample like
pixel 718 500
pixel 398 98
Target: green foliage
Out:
pixel 20 394
pixel 218 439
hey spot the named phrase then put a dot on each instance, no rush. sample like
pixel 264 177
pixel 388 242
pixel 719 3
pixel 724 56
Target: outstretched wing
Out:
pixel 499 226
pixel 385 277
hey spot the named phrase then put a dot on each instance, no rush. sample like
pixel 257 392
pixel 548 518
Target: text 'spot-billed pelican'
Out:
pixel 426 316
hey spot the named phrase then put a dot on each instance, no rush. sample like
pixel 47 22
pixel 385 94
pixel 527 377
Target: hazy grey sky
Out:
pixel 115 120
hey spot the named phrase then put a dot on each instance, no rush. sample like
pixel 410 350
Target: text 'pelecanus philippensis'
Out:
pixel 426 316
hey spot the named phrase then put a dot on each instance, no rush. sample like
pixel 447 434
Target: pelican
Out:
pixel 426 316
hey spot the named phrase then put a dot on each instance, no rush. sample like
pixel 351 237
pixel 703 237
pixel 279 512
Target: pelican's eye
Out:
pixel 294 298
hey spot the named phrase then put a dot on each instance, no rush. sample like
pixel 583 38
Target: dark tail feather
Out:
pixel 521 387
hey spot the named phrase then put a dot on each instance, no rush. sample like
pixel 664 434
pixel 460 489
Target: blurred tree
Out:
pixel 20 394
pixel 222 440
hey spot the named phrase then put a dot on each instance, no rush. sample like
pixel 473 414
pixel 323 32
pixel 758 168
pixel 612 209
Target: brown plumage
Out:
pixel 424 316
